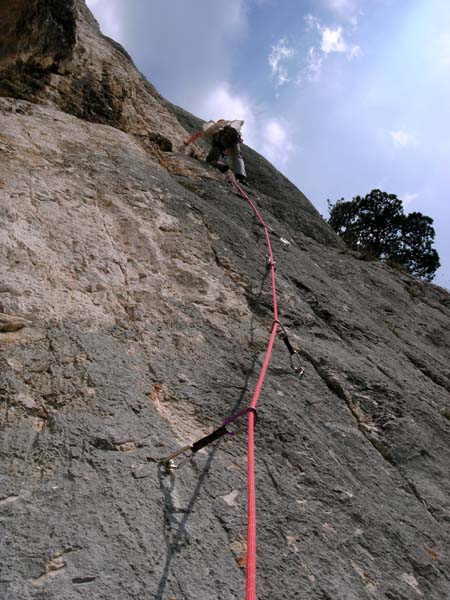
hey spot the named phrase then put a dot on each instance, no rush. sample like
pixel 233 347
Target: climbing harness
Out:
pixel 185 454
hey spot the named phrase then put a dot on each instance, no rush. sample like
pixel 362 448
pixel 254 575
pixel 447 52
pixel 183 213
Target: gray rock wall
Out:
pixel 135 315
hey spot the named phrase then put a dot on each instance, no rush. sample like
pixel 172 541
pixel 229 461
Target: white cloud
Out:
pixel 402 139
pixel 332 40
pixel 313 68
pixel 276 143
pixel 354 52
pixel 280 53
pixel 312 22
pixel 222 103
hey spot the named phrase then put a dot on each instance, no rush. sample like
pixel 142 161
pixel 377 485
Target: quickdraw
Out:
pixel 292 352
pixel 187 452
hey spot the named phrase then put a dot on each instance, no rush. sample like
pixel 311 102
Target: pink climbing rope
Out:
pixel 250 587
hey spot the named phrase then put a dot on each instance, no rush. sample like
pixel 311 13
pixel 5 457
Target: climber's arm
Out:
pixel 193 138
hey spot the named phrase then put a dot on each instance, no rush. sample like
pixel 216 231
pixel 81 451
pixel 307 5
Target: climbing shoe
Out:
pixel 242 180
pixel 220 166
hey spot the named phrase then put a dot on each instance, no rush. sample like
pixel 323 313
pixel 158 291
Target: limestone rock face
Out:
pixel 135 312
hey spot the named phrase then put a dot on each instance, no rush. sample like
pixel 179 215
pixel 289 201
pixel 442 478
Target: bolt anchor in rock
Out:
pixel 169 463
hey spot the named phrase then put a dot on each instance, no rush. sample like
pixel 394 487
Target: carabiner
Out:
pixel 299 370
pixel 169 462
pixel 292 352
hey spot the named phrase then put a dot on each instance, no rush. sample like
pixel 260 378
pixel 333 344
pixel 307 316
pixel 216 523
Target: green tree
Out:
pixel 376 224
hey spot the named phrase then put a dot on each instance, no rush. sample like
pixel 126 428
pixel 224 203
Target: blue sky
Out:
pixel 342 96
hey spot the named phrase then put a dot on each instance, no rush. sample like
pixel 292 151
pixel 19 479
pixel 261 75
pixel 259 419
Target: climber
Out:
pixel 224 137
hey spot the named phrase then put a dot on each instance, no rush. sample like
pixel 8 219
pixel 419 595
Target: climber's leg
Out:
pixel 214 157
pixel 237 162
